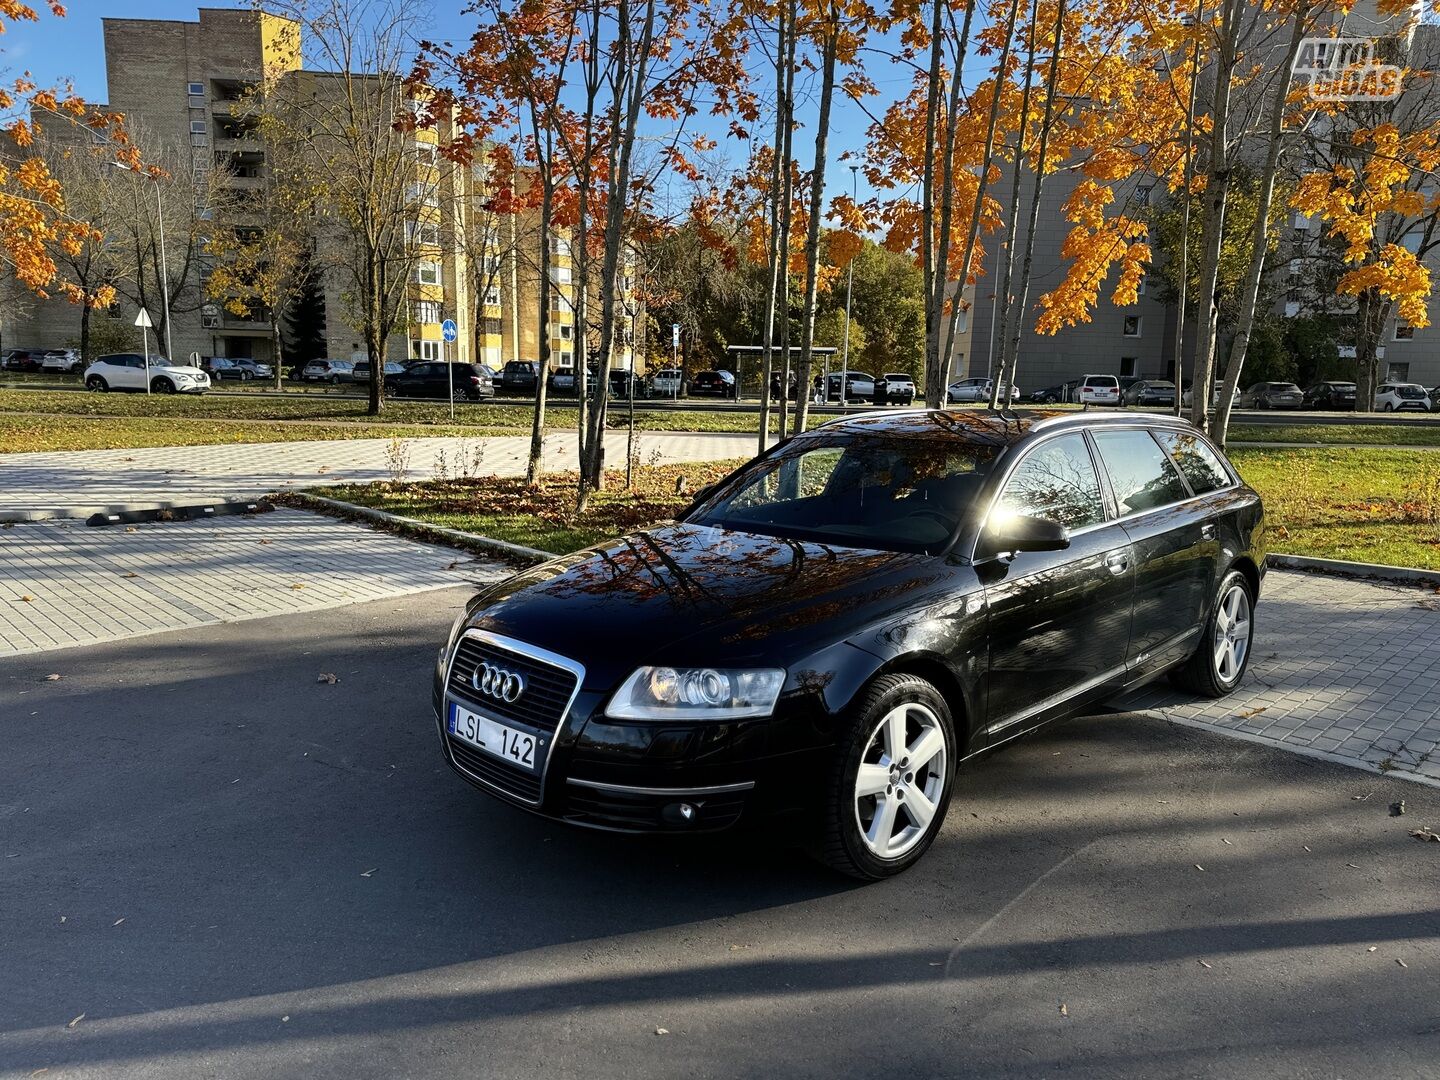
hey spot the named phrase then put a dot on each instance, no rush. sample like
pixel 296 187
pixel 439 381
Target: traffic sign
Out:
pixel 448 330
pixel 675 334
pixel 143 319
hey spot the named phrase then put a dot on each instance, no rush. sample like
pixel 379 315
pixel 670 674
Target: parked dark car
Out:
pixel 360 373
pixel 236 370
pixel 1331 396
pixel 827 632
pixel 719 384
pixel 433 378
pixel 519 377
pixel 1271 395
pixel 334 372
pixel 1050 395
pixel 23 359
pixel 1150 392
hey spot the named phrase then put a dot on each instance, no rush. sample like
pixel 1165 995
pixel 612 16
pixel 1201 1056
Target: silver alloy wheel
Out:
pixel 900 780
pixel 1232 632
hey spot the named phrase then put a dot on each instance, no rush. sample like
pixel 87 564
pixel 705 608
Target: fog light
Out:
pixel 682 813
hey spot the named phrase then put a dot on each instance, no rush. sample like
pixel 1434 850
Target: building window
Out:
pixel 427 153
pixel 1404 332
pixel 567 359
pixel 424 194
pixel 423 232
pixel 566 331
pixel 559 302
pixel 1140 288
pixel 427 272
pixel 197 127
pixel 560 275
pixel 1142 194
pixel 559 246
pixel 1398 373
pixel 425 350
pixel 195 89
pixel 427 311
pixel 1129 364
pixel 492 296
pixel 1132 325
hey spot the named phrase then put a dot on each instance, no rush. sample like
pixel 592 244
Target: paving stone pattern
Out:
pixel 1343 669
pixel 78 483
pixel 90 585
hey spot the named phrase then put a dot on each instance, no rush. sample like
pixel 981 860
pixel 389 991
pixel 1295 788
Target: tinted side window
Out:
pixel 1140 473
pixel 1196 460
pixel 1056 481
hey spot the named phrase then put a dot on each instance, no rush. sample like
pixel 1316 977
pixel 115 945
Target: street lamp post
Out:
pixel 164 268
pixel 849 286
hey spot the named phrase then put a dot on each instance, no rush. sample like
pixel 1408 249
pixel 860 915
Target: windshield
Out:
pixel 858 492
pixel 159 361
pixel 894 376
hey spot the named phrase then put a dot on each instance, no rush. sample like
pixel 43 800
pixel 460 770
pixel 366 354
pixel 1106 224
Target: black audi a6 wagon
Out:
pixel 829 631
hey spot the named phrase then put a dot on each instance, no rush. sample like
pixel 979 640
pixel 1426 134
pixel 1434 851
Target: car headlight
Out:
pixel 667 693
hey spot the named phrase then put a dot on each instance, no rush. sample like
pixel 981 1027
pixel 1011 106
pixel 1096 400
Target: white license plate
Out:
pixel 507 743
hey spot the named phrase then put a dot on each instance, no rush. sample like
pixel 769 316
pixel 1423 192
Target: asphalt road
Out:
pixel 231 869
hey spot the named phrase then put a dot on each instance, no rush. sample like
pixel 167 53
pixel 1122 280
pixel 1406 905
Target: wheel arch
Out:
pixel 963 710
pixel 1246 566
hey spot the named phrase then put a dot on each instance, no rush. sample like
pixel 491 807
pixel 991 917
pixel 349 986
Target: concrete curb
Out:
pixel 1408 574
pixel 420 530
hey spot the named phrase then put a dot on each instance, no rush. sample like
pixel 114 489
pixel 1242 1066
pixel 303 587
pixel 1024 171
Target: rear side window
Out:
pixel 1197 461
pixel 1141 476
pixel 1056 481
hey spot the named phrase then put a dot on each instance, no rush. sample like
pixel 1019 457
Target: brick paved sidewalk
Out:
pixel 78 483
pixel 1342 669
pixel 91 585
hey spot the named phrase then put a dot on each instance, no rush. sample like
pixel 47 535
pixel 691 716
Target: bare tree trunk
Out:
pixel 1010 347
pixel 1007 271
pixel 374 317
pixel 1250 297
pixel 1374 312
pixel 772 241
pixel 1217 190
pixel 787 200
pixel 812 232
pixel 537 428
pixel 987 160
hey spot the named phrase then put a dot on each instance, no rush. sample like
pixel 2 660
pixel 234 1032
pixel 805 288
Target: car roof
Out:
pixel 986 426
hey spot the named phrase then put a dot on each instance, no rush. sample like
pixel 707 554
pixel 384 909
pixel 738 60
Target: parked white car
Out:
pixel 1402 397
pixel 974 390
pixel 127 371
pixel 1099 390
pixel 63 361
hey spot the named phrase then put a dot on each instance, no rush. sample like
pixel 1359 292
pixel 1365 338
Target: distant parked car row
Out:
pixel 54 361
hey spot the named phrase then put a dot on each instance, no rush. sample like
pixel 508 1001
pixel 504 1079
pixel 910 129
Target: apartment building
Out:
pixel 189 84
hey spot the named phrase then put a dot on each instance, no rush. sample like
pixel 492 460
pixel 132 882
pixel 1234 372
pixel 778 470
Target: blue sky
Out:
pixel 73 47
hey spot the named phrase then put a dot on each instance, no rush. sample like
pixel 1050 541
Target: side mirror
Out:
pixel 1021 533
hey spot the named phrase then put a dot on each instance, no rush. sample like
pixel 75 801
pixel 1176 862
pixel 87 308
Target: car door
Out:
pixel 1058 621
pixel 1173 536
pixel 126 372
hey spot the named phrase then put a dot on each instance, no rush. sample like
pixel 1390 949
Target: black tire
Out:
pixel 334 380
pixel 1388 407
pixel 96 385
pixel 245 376
pixel 842 844
pixel 161 385
pixel 1201 674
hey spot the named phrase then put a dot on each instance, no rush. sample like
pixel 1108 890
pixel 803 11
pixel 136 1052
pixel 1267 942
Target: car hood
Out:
pixel 179 369
pixel 692 594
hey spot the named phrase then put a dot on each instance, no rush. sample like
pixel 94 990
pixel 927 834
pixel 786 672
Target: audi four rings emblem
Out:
pixel 496 682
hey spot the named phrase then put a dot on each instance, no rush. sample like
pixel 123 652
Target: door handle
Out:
pixel 1207 531
pixel 1118 562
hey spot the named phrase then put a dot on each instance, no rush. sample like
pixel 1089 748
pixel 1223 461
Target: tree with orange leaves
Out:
pixel 36 220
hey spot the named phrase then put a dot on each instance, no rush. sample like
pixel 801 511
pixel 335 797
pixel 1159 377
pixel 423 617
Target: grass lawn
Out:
pixel 1375 506
pixel 1361 505
pixel 544 518
pixel 1400 433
